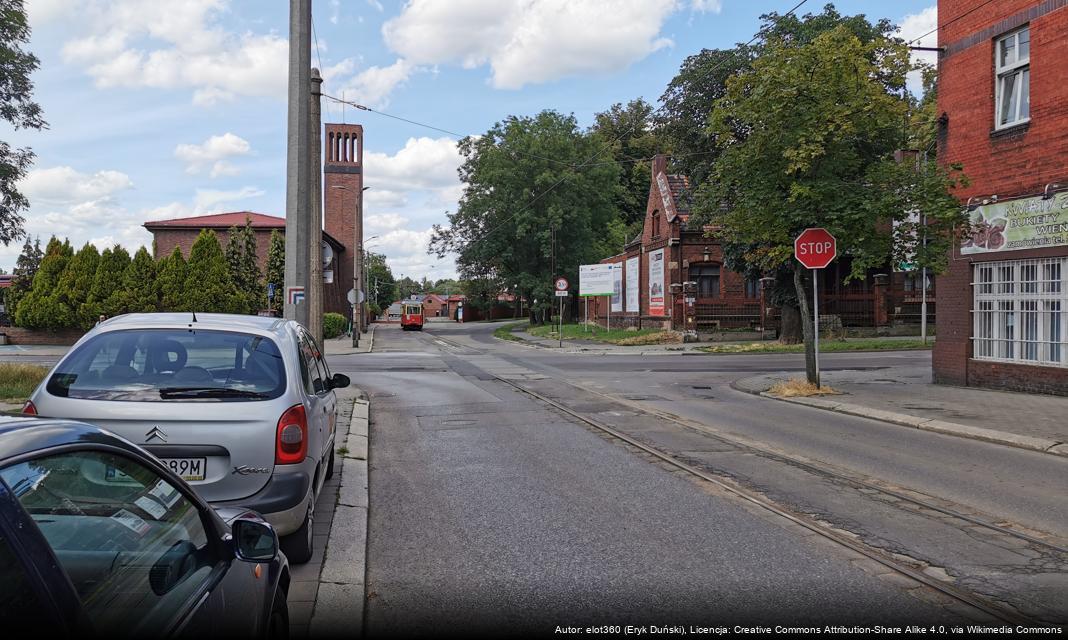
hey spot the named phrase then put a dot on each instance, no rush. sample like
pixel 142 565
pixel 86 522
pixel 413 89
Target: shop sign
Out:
pixel 1027 223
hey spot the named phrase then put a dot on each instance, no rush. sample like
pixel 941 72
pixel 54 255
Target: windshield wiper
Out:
pixel 208 392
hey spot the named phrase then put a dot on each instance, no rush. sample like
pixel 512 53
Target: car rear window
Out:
pixel 172 365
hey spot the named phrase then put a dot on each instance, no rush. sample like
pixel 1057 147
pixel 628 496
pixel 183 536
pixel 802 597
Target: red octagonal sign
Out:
pixel 815 248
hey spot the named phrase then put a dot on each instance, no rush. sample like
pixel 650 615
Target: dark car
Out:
pixel 98 538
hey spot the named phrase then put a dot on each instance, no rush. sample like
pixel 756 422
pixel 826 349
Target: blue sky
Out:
pixel 168 109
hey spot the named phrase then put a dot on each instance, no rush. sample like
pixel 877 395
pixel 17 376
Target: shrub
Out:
pixel 334 324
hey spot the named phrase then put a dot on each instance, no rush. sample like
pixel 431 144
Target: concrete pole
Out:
pixel 315 194
pixel 298 174
pixel 358 283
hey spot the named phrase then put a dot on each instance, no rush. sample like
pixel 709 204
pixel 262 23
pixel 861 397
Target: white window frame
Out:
pixel 1011 68
pixel 1020 311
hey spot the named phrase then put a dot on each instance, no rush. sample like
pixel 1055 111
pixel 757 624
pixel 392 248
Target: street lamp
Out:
pixel 357 275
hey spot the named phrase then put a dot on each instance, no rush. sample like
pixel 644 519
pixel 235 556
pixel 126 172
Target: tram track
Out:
pixel 896 565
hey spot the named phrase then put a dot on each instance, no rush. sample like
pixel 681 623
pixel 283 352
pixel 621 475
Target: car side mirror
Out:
pixel 254 541
pixel 339 381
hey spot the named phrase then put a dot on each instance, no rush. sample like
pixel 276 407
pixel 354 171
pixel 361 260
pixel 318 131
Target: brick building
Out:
pixel 1004 316
pixel 669 252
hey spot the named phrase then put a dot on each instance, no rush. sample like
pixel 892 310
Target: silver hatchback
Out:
pixel 242 407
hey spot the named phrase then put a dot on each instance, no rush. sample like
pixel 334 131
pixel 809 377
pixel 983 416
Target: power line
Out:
pixel 946 24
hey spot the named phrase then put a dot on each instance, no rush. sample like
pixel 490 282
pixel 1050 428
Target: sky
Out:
pixel 159 110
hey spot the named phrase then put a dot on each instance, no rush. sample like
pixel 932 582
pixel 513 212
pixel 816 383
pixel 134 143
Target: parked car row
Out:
pixel 169 453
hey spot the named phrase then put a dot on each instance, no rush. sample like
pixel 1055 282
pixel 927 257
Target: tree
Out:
pixel 629 134
pixel 481 293
pixel 106 293
pixel 242 261
pixel 208 286
pixel 276 268
pixel 821 120
pixel 73 286
pixel 25 269
pixel 140 286
pixel 405 287
pixel 37 310
pixel 19 109
pixel 525 178
pixel 383 289
pixel 172 272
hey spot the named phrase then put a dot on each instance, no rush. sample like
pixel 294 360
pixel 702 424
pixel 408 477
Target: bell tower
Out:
pixel 343 206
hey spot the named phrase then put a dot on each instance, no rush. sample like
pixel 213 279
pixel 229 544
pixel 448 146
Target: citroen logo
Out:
pixel 156 432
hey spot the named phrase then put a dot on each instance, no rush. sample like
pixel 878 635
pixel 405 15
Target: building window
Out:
pixel 752 288
pixel 707 278
pixel 1012 57
pixel 1019 311
pixel 656 224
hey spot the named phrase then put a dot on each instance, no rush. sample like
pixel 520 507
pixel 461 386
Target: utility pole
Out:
pixel 314 296
pixel 298 171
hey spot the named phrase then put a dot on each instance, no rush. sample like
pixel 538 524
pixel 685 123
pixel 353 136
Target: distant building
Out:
pixel 1004 316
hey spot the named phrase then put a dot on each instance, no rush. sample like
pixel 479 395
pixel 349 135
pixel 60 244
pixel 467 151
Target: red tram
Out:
pixel 412 316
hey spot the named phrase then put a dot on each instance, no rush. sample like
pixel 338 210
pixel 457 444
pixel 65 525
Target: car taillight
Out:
pixel 291 444
pixel 29 409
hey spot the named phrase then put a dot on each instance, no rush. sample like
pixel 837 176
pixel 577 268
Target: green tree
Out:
pixel 276 269
pixel 72 289
pixel 25 269
pixel 172 272
pixel 18 108
pixel 106 293
pixel 380 282
pixel 242 261
pixel 629 133
pixel 524 178
pixel 481 293
pixel 822 119
pixel 208 285
pixel 140 286
pixel 405 287
pixel 39 308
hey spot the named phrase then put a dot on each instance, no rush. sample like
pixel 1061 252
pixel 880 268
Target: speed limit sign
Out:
pixel 561 284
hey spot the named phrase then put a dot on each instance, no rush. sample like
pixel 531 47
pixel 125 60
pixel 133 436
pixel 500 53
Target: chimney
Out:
pixel 659 165
pixel 343 205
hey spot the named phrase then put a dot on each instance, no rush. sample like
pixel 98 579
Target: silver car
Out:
pixel 241 407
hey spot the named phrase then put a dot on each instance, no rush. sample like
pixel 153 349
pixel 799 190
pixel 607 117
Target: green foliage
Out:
pixel 208 285
pixel 18 108
pixel 172 272
pixel 380 283
pixel 482 293
pixel 243 263
pixel 405 287
pixel 628 132
pixel 276 269
pixel 140 286
pixel 334 324
pixel 502 228
pixel 39 309
pixel 74 284
pixel 25 269
pixel 106 293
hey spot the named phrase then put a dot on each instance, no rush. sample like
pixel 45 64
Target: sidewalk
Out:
pixel 905 396
pixel 342 346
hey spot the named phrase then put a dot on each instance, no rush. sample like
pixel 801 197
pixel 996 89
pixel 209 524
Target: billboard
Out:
pixel 633 301
pixel 617 288
pixel 656 283
pixel 1027 223
pixel 596 279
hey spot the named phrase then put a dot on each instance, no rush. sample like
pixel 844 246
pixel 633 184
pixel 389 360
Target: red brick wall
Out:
pixel 342 198
pixel 19 335
pixel 1015 163
pixel 166 240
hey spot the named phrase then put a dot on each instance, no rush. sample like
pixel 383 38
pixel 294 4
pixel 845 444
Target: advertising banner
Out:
pixel 1027 223
pixel 632 299
pixel 617 288
pixel 596 279
pixel 656 283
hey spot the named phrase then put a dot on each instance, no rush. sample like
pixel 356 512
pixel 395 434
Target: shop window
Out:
pixel 707 278
pixel 1019 311
pixel 1012 64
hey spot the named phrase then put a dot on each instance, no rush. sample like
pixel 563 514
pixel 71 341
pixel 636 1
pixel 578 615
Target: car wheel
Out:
pixel 298 546
pixel 278 624
pixel 330 464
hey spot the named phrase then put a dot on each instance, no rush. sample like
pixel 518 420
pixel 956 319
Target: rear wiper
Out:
pixel 208 392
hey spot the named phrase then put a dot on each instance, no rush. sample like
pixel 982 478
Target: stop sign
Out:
pixel 815 248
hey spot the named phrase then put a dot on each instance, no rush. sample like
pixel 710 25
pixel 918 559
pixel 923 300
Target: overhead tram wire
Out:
pixel 946 24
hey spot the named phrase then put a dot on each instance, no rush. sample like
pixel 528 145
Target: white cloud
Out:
pixel 706 6
pixel 532 42
pixel 376 224
pixel 377 199
pixel 175 45
pixel 423 163
pixel 65 185
pixel 373 85
pixel 210 200
pixel 912 27
pixel 40 12
pixel 213 153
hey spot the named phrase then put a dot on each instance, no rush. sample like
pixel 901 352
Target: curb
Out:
pixel 340 602
pixel 1041 445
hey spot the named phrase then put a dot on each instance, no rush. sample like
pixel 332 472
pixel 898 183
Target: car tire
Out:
pixel 278 623
pixel 330 464
pixel 299 545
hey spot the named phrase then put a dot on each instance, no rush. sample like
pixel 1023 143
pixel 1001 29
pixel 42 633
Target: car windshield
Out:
pixel 161 365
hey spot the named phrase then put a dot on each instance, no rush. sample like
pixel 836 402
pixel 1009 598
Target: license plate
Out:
pixel 188 468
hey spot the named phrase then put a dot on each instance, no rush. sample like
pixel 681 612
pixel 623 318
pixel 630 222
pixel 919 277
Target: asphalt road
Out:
pixel 491 512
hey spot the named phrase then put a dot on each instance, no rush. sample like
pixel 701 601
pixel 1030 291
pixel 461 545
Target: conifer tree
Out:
pixel 140 288
pixel 208 285
pixel 105 295
pixel 243 264
pixel 37 309
pixel 73 287
pixel 276 268
pixel 172 273
pixel 25 269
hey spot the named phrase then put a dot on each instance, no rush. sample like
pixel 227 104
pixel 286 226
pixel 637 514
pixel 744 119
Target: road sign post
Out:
pixel 561 286
pixel 815 249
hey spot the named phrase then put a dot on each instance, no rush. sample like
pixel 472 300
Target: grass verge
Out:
pixel 826 346
pixel 599 334
pixel 17 381
pixel 800 388
pixel 504 332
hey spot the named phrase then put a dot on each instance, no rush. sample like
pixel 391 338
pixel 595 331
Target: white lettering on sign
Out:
pixel 814 248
